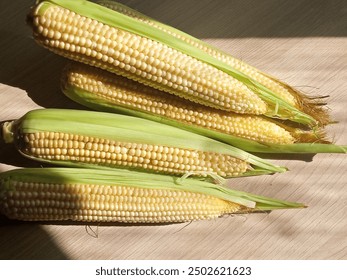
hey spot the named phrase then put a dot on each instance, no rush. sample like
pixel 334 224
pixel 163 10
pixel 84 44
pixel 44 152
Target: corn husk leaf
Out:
pixel 310 105
pixel 280 108
pixel 95 102
pixel 124 128
pixel 142 180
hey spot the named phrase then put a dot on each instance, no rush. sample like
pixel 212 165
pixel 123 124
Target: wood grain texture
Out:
pixel 301 43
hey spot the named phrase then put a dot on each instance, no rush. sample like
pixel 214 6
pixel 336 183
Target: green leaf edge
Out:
pixel 143 180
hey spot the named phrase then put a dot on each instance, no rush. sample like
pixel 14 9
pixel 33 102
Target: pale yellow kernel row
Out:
pixel 144 60
pixel 156 158
pixel 47 201
pixel 123 92
pixel 270 83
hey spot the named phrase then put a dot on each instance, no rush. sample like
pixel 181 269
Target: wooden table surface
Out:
pixel 301 42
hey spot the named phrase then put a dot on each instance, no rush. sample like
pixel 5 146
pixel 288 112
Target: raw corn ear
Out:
pixel 89 195
pixel 105 140
pixel 139 58
pixel 98 88
pixel 96 35
pixel 309 105
pixel 104 91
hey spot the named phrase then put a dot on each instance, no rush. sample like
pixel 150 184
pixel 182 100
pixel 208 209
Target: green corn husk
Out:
pixel 309 105
pixel 78 187
pixel 278 107
pixel 101 102
pixel 120 128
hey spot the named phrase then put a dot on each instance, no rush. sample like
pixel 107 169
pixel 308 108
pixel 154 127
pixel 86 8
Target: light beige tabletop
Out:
pixel 301 42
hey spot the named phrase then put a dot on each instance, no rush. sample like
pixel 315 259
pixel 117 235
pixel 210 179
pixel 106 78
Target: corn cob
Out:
pixel 89 195
pixel 78 79
pixel 104 91
pixel 92 34
pixel 82 138
pixel 141 59
pixel 289 94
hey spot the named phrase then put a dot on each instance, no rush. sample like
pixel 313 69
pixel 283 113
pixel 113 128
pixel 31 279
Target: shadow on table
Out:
pixel 34 70
pixel 27 241
pixel 30 241
pixel 281 156
pixel 10 156
pixel 247 18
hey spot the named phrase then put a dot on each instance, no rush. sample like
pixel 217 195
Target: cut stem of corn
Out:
pixel 99 36
pixel 104 140
pixel 104 91
pixel 89 195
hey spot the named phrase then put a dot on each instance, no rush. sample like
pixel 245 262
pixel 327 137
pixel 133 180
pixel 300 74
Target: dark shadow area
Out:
pixel 7 222
pixel 249 18
pixel 302 157
pixel 27 241
pixel 36 72
pixel 10 156
pixel 26 65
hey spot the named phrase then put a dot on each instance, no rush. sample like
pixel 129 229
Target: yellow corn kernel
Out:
pixel 110 153
pixel 91 195
pixel 109 203
pixel 101 87
pixel 141 59
pixel 104 140
pixel 286 92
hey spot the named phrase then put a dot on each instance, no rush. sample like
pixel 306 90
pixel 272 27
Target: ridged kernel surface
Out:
pixel 37 201
pixel 141 59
